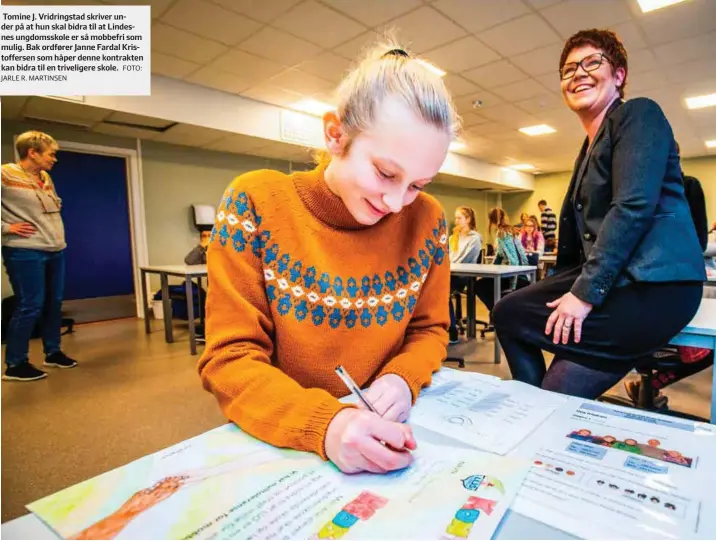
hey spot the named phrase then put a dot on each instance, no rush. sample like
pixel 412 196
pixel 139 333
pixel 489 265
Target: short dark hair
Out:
pixel 542 202
pixel 607 41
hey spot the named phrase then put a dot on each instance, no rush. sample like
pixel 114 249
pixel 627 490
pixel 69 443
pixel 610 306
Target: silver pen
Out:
pixel 353 388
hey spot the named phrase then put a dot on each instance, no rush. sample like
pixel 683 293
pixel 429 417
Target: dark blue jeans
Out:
pixel 38 281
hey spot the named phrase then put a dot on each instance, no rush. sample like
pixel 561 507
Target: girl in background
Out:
pixel 465 247
pixel 532 240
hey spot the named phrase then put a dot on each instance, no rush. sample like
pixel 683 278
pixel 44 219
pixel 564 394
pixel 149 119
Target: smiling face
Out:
pixel 384 168
pixel 590 92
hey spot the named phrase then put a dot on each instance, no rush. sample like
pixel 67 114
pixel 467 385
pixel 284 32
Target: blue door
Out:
pixel 95 209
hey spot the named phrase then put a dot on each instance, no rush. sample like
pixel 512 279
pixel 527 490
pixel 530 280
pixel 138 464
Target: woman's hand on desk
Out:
pixel 359 440
pixel 570 312
pixel 391 397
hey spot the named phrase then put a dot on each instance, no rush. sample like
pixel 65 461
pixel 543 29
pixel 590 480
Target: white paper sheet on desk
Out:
pixel 604 472
pixel 484 411
pixel 226 485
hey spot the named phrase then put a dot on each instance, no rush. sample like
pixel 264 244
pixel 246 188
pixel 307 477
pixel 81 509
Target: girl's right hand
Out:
pixel 359 440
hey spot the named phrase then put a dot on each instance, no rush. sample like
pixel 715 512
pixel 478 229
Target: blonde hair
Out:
pixel 36 140
pixel 389 70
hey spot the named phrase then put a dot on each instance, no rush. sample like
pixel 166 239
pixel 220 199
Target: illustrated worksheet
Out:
pixel 226 485
pixel 604 472
pixel 483 411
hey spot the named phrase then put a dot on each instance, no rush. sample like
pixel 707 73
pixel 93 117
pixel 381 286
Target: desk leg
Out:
pixel 471 311
pixel 190 314
pixel 166 308
pixel 201 303
pixel 145 302
pixel 498 294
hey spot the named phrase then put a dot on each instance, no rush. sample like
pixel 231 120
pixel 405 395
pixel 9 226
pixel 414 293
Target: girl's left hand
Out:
pixel 391 397
pixel 569 312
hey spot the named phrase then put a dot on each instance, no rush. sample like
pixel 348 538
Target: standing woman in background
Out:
pixel 465 247
pixel 343 265
pixel 33 251
pixel 629 267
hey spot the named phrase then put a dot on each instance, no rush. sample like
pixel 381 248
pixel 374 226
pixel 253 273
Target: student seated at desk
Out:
pixel 343 265
pixel 532 240
pixel 630 269
pixel 509 251
pixel 197 256
pixel 465 247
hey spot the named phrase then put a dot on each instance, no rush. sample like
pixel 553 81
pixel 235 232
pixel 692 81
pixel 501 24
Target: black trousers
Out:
pixel 632 323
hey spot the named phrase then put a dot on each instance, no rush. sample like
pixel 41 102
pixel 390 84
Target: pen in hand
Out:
pixel 354 389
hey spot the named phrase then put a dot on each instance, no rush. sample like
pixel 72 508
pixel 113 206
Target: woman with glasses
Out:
pixel 33 244
pixel 532 240
pixel 629 266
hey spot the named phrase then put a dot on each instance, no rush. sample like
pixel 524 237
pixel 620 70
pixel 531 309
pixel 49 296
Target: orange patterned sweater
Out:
pixel 297 287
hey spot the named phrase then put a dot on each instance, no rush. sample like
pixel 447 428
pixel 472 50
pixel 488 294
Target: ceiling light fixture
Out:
pixel 701 102
pixel 431 67
pixel 313 107
pixel 711 143
pixel 540 129
pixel 457 145
pixel 651 5
pixel 522 167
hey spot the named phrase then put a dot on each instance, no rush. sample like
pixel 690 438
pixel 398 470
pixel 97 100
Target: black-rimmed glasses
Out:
pixel 588 63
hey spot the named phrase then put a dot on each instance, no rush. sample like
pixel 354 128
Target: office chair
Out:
pixel 665 359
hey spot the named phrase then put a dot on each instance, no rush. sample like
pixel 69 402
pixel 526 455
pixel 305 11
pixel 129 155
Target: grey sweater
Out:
pixel 23 200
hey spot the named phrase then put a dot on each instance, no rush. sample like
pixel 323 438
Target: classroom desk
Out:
pixel 701 332
pixel 513 525
pixel 188 272
pixel 497 272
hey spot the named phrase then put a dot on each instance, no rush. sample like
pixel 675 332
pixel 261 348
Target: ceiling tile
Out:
pixel 631 35
pixel 464 104
pixel 124 131
pixel 541 4
pixel 279 46
pixel 540 103
pixel 473 119
pixel 644 80
pixel 519 36
pixel 328 66
pixel 220 80
pixel 174 42
pixel 187 134
pixel 520 90
pixel 373 12
pixel 300 82
pixel 540 61
pixel 12 105
pixel 550 82
pixel 261 10
pixel 459 86
pixel 574 15
pixel 52 109
pixel 318 24
pixel 272 94
pixel 642 60
pixel 487 129
pixel 237 144
pixel 129 118
pixel 171 66
pixel 696 71
pixel 425 29
pixel 462 55
pixel 157 7
pixel 495 74
pixel 210 21
pixel 247 66
pixel 479 16
pixel 510 116
pixel 357 47
pixel 679 21
pixel 692 48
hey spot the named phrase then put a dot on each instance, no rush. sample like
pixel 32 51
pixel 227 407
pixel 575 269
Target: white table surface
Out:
pixel 177 270
pixel 478 269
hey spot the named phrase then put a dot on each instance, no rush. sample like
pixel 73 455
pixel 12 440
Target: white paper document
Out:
pixel 604 472
pixel 483 411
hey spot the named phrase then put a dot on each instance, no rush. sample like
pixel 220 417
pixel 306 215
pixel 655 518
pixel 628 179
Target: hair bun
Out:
pixel 397 52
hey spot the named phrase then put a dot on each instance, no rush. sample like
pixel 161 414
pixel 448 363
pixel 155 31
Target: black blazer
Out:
pixel 625 215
